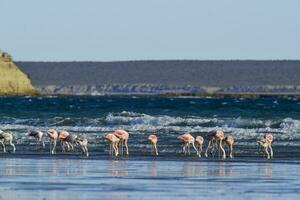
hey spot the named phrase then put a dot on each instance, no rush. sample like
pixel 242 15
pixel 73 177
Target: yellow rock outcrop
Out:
pixel 12 80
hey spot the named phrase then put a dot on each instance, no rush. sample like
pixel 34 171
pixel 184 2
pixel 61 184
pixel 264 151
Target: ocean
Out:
pixel 31 170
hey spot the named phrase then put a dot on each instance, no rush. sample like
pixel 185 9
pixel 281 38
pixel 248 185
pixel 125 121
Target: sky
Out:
pixel 114 30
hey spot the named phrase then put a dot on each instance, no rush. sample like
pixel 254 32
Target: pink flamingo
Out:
pixel 188 139
pixel 7 137
pixel 114 141
pixel 266 143
pixel 229 140
pixel 38 136
pixel 123 136
pixel 83 142
pixel 66 139
pixel 217 135
pixel 153 140
pixel 199 142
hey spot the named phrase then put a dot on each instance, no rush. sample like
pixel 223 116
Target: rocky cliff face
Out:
pixel 152 89
pixel 12 80
pixel 118 89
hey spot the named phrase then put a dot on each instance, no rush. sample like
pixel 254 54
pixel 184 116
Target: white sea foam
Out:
pixel 290 125
pixel 244 130
pixel 131 118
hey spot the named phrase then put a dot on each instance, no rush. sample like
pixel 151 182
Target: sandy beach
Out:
pixel 147 178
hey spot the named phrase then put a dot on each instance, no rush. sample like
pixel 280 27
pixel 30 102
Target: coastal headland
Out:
pixel 247 78
pixel 13 81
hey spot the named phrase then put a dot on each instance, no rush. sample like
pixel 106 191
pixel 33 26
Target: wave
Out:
pixel 246 131
pixel 131 118
pixel 289 124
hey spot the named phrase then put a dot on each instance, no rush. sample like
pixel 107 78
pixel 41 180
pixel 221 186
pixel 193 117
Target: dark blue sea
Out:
pixel 31 170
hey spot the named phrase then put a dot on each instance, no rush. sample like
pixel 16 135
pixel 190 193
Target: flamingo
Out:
pixel 229 140
pixel 153 140
pixel 38 135
pixel 6 137
pixel 266 143
pixel 114 141
pixel 83 142
pixel 188 139
pixel 199 142
pixel 217 135
pixel 53 135
pixel 66 139
pixel 123 136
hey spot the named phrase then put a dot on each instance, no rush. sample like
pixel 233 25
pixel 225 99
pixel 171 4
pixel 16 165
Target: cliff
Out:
pixel 13 81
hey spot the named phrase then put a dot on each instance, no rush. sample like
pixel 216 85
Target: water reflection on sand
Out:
pixel 118 168
pixel 146 178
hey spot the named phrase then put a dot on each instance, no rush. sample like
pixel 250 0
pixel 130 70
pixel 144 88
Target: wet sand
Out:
pixel 147 178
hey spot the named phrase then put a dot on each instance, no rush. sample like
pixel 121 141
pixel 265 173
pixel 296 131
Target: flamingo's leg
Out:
pixel 261 148
pixel 62 146
pixel 117 149
pixel 54 146
pixel 43 143
pixel 68 146
pixel 267 152
pixel 50 145
pixel 155 147
pixel 271 150
pixel 71 145
pixel 86 151
pixel 221 147
pixel 3 146
pixel 126 145
pixel 219 150
pixel 83 150
pixel 13 146
pixel 122 147
pixel 208 146
pixel 200 149
pixel 231 151
pixel 115 145
pixel 183 148
pixel 196 150
pixel 113 149
pixel 186 148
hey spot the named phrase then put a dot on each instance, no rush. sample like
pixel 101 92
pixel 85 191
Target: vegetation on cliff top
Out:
pixel 13 81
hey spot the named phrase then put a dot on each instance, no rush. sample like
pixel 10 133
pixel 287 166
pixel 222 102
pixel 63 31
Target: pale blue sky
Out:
pixel 67 30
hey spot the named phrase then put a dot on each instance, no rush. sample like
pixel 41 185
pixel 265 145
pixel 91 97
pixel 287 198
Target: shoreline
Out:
pixel 246 159
pixel 279 157
pixel 203 95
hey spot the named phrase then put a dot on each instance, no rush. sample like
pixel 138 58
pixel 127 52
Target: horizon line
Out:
pixel 161 60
